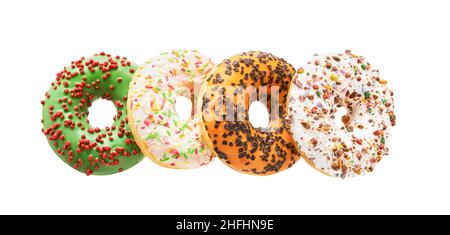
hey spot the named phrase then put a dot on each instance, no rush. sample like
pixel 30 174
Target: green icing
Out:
pixel 70 98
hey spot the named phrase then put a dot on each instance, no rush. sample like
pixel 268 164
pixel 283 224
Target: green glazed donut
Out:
pixel 65 110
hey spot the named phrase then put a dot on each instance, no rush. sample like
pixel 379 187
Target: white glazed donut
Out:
pixel 325 84
pixel 155 124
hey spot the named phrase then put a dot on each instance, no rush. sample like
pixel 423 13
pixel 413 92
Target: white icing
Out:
pixel 318 89
pixel 170 140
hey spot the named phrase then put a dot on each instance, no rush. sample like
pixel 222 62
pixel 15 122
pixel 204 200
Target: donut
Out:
pixel 159 131
pixel 226 97
pixel 88 149
pixel 353 144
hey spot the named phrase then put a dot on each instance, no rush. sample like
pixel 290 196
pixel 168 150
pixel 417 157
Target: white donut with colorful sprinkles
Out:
pixel 158 129
pixel 354 144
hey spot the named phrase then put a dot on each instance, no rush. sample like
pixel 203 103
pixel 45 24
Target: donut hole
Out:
pixel 102 113
pixel 258 115
pixel 341 117
pixel 183 107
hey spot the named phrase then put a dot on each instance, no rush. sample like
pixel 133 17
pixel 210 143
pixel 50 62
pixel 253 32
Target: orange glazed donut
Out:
pixel 225 101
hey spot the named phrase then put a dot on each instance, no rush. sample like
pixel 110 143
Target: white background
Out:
pixel 408 40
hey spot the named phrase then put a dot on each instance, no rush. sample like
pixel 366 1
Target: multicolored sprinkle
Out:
pixel 160 133
pixel 355 143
